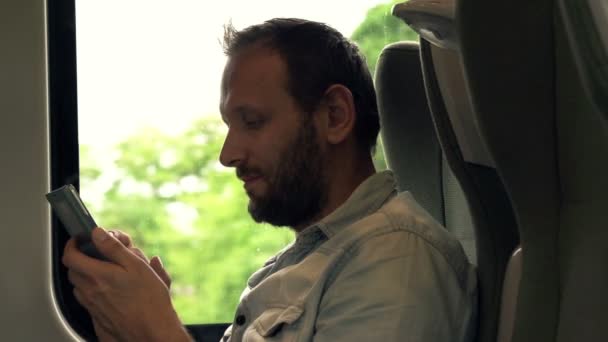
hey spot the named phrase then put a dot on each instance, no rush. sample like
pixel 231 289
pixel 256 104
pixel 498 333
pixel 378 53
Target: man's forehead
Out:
pixel 253 63
pixel 250 71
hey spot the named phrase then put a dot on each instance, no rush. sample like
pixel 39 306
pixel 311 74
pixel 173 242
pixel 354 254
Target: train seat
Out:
pixel 437 154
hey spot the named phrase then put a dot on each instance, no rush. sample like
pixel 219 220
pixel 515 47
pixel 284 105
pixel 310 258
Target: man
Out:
pixel 368 264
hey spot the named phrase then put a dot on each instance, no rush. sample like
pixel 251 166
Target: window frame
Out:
pixel 63 136
pixel 64 160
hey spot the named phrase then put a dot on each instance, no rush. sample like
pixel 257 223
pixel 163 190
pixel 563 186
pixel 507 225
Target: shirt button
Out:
pixel 240 320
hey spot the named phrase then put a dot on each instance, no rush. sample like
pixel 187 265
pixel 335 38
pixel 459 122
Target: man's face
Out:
pixel 273 145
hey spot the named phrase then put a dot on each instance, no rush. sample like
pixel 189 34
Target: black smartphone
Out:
pixel 75 217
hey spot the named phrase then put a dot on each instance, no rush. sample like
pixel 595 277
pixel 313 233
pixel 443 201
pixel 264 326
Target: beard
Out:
pixel 297 191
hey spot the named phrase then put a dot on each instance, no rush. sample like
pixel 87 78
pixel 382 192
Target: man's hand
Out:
pixel 126 297
pixel 155 262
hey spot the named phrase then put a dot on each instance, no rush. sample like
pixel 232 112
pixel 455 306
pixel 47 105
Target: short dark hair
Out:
pixel 317 56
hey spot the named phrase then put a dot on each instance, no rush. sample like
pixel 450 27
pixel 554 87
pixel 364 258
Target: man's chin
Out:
pixel 253 209
pixel 255 196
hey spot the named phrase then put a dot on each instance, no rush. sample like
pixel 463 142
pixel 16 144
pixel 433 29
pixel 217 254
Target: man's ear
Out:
pixel 341 114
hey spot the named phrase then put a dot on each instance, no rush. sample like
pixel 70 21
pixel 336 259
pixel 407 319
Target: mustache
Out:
pixel 247 171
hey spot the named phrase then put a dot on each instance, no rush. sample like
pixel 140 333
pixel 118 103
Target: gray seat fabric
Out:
pixel 414 140
pixel 508 304
pixel 414 153
pixel 410 143
pixel 550 146
pixel 407 132
pixel 473 166
pixel 582 151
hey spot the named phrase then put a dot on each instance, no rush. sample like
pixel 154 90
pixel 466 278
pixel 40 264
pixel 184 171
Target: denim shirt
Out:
pixel 379 268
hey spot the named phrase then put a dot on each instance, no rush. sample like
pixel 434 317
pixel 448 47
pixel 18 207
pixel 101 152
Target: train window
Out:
pixel 149 133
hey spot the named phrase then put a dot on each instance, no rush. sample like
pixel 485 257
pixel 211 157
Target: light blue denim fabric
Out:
pixel 379 268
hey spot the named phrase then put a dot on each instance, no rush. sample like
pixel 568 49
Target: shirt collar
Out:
pixel 368 197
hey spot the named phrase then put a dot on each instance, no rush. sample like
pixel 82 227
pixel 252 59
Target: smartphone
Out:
pixel 75 217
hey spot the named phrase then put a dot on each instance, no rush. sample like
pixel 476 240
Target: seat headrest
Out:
pixel 407 131
pixel 453 90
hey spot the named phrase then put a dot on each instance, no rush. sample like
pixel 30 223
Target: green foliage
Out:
pixel 176 201
pixel 379 29
pixel 87 170
pixel 379 159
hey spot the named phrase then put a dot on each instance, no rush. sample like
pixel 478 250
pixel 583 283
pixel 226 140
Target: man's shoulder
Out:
pixel 400 214
pixel 403 266
pixel 404 226
pixel 405 214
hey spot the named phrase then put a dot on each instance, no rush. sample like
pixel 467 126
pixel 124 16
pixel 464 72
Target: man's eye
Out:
pixel 255 123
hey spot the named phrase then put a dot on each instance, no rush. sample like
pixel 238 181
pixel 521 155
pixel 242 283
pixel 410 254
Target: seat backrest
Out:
pixel 550 145
pixel 473 165
pixel 411 147
pixel 582 152
pixel 459 186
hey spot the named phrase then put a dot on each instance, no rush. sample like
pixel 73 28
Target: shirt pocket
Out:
pixel 276 324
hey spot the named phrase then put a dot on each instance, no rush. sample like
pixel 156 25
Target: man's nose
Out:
pixel 233 153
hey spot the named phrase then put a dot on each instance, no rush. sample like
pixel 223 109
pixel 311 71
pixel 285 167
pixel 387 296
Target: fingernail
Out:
pixel 99 234
pixel 160 262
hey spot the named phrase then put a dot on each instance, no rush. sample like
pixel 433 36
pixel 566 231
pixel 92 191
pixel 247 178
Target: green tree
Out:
pixel 176 201
pixel 378 29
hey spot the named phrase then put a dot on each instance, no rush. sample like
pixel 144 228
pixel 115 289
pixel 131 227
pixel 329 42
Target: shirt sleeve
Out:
pixel 394 287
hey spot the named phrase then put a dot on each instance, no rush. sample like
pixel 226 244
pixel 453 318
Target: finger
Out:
pixel 72 255
pixel 68 250
pixel 124 238
pixel 78 279
pixel 81 298
pixel 103 333
pixel 111 248
pixel 157 266
pixel 139 253
pixel 75 260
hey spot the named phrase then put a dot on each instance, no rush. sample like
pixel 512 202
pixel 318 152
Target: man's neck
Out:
pixel 342 181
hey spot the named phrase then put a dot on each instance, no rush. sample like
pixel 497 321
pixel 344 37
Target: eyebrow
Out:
pixel 247 109
pixel 241 111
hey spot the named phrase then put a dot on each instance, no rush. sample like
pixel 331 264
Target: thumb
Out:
pixel 110 247
pixel 159 269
